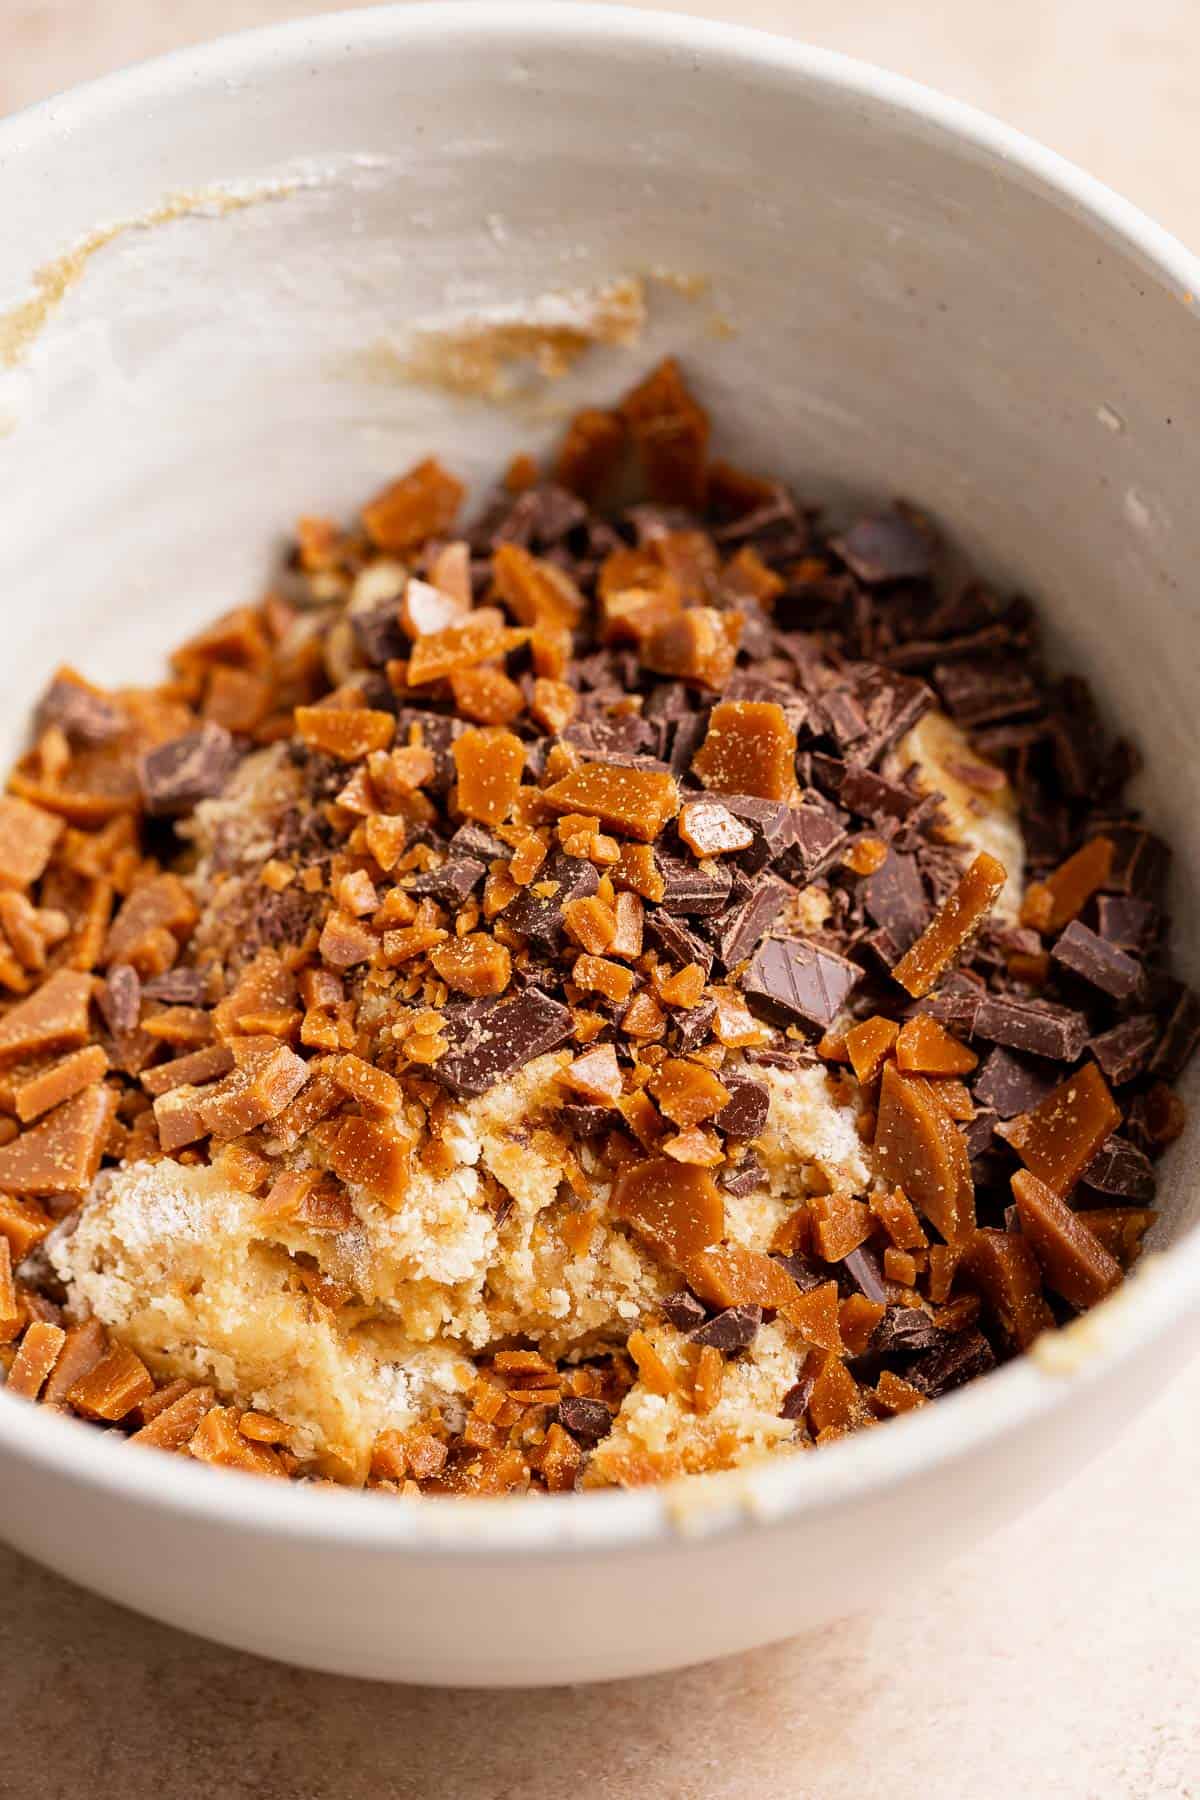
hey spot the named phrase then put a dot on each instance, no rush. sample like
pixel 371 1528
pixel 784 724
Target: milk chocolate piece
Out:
pixel 195 767
pixel 1101 964
pixel 498 1039
pixel 1125 1052
pixel 733 1329
pixel 797 981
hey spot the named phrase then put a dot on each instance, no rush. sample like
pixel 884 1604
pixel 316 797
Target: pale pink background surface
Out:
pixel 1061 1659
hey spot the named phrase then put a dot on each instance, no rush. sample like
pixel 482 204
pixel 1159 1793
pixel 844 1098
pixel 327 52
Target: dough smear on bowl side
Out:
pixel 609 992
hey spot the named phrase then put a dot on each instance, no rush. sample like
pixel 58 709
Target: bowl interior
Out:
pixel 236 289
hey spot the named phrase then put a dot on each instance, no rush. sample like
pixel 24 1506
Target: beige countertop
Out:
pixel 1060 1659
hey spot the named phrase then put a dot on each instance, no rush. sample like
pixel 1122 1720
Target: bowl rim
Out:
pixel 779 1490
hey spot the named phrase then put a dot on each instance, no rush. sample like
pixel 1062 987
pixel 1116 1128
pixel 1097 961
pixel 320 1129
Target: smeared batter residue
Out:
pixel 21 325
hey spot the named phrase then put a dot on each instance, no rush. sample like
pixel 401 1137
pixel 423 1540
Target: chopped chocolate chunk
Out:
pixel 795 1401
pixel 588 1121
pixel 438 733
pixel 739 930
pixel 865 792
pixel 693 1026
pixel 961 1358
pixel 894 897
pixel 795 980
pixel 176 987
pixel 814 842
pixel 745 1177
pixel 906 1331
pixel 85 716
pixel 1120 1169
pixel 864 1271
pixel 191 768
pixel 477 842
pixel 771 823
pixel 377 629
pixel 745 1113
pixel 488 1046
pixel 844 717
pixel 1101 964
pixel 892 704
pixel 1126 921
pixel 674 939
pixel 120 999
pixel 1181 1033
pixel 683 1310
pixel 985 690
pixel 1012 1084
pixel 890 547
pixel 586 1420
pixel 538 916
pixel 978 1134
pixel 1038 1027
pixel 1139 861
pixel 1124 1052
pixel 695 888
pixel 729 1331
pixel 451 881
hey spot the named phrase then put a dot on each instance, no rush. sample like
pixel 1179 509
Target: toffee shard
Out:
pixel 799 981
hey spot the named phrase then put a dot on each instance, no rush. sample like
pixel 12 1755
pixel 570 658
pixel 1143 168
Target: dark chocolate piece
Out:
pixel 1036 1026
pixel 799 981
pixel 744 1177
pixel 894 897
pixel 451 881
pixel 1012 1084
pixel 683 1310
pixel 813 843
pixel 177 987
pixel 478 842
pixel 1140 861
pixel 85 719
pixel 120 999
pixel 490 1044
pixel 979 1132
pixel 588 1121
pixel 865 792
pixel 586 1420
pixel 438 734
pixel 1125 1051
pixel 906 1331
pixel 1101 964
pixel 539 917
pixel 864 1271
pixel 985 690
pixel 745 1112
pixel 739 930
pixel 378 632
pixel 892 704
pixel 889 547
pixel 729 1331
pixel 769 820
pixel 191 768
pixel 1181 1033
pixel 674 939
pixel 694 888
pixel 795 1401
pixel 1122 1171
pixel 1127 921
pixel 961 1359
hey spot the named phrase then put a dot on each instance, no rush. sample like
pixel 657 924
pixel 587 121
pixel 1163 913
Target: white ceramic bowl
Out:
pixel 902 296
